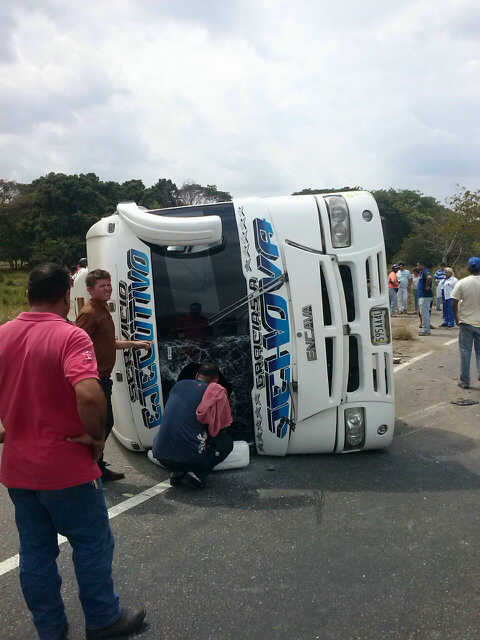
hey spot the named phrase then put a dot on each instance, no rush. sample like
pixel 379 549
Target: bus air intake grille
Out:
pixel 327 312
pixel 329 355
pixel 353 364
pixel 347 282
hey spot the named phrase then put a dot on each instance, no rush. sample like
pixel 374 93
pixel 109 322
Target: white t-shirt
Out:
pixel 448 286
pixel 467 292
pixel 79 272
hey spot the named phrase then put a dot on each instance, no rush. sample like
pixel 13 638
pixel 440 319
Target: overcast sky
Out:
pixel 260 97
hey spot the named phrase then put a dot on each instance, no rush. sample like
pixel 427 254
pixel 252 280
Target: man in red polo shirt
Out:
pixel 53 413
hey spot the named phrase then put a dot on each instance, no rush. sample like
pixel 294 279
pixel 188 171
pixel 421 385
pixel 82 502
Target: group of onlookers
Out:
pixel 422 284
pixel 459 300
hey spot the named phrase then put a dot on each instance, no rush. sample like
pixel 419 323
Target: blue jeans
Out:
pixel 80 514
pixel 449 317
pixel 392 296
pixel 424 304
pixel 468 336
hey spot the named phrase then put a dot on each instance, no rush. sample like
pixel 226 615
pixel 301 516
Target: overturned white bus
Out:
pixel 287 295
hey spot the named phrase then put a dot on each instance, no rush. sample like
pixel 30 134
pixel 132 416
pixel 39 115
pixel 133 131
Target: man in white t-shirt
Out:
pixel 466 308
pixel 404 279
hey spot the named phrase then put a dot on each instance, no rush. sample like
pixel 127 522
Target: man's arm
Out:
pixel 132 344
pixel 91 407
pixel 455 310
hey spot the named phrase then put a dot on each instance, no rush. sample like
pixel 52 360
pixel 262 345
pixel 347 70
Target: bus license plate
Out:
pixel 379 326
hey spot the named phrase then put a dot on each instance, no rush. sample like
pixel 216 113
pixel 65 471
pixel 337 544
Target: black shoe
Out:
pixel 194 480
pixel 111 476
pixel 176 478
pixel 129 622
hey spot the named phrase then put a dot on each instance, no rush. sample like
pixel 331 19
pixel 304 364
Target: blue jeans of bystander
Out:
pixel 468 336
pixel 450 318
pixel 79 513
pixel 424 305
pixel 392 296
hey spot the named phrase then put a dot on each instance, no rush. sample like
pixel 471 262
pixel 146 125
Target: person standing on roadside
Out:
pixel 466 309
pixel 415 279
pixel 448 286
pixel 404 278
pixel 96 320
pixel 425 296
pixel 81 268
pixel 439 277
pixel 53 414
pixel 393 288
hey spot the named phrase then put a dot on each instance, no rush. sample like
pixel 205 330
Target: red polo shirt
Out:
pixel 42 357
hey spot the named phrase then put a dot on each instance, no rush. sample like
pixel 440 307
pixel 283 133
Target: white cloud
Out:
pixel 258 97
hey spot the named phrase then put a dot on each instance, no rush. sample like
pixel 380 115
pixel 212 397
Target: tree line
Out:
pixel 51 216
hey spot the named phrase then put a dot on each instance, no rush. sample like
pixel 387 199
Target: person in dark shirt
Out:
pixel 96 320
pixel 425 296
pixel 185 445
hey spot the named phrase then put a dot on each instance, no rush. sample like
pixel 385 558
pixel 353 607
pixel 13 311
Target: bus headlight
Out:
pixel 354 427
pixel 339 221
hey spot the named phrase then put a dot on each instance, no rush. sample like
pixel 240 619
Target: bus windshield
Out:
pixel 191 285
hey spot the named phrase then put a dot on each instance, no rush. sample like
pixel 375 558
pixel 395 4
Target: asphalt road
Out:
pixel 380 545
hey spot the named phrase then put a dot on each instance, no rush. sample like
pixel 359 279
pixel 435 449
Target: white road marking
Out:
pixel 399 367
pixel 12 563
pixel 446 344
pixel 431 409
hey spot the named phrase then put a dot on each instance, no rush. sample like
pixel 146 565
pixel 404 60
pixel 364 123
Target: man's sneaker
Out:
pixel 194 480
pixel 464 385
pixel 152 458
pixel 423 333
pixel 111 476
pixel 128 623
pixel 176 478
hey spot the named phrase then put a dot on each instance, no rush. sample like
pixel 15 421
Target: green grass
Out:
pixel 13 300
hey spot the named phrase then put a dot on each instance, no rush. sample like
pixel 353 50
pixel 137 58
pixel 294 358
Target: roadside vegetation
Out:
pixel 13 300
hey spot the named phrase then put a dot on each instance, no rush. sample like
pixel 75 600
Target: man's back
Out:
pixel 467 292
pixel 181 435
pixel 42 357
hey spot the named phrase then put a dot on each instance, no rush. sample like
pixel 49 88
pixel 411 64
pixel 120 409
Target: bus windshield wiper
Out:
pixel 226 311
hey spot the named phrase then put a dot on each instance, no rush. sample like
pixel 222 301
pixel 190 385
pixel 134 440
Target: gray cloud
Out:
pixel 261 98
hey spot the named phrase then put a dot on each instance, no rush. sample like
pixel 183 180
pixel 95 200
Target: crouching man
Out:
pixel 191 439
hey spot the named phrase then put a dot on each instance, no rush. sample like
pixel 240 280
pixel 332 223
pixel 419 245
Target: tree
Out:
pixel 192 193
pixel 309 192
pixel 163 193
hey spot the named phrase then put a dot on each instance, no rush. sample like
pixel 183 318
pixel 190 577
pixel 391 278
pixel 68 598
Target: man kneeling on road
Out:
pixel 183 445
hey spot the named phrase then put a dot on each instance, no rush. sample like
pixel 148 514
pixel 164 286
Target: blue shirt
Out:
pixel 181 436
pixel 422 291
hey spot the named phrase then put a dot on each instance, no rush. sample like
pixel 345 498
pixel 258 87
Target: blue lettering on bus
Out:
pixel 276 330
pixel 135 313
